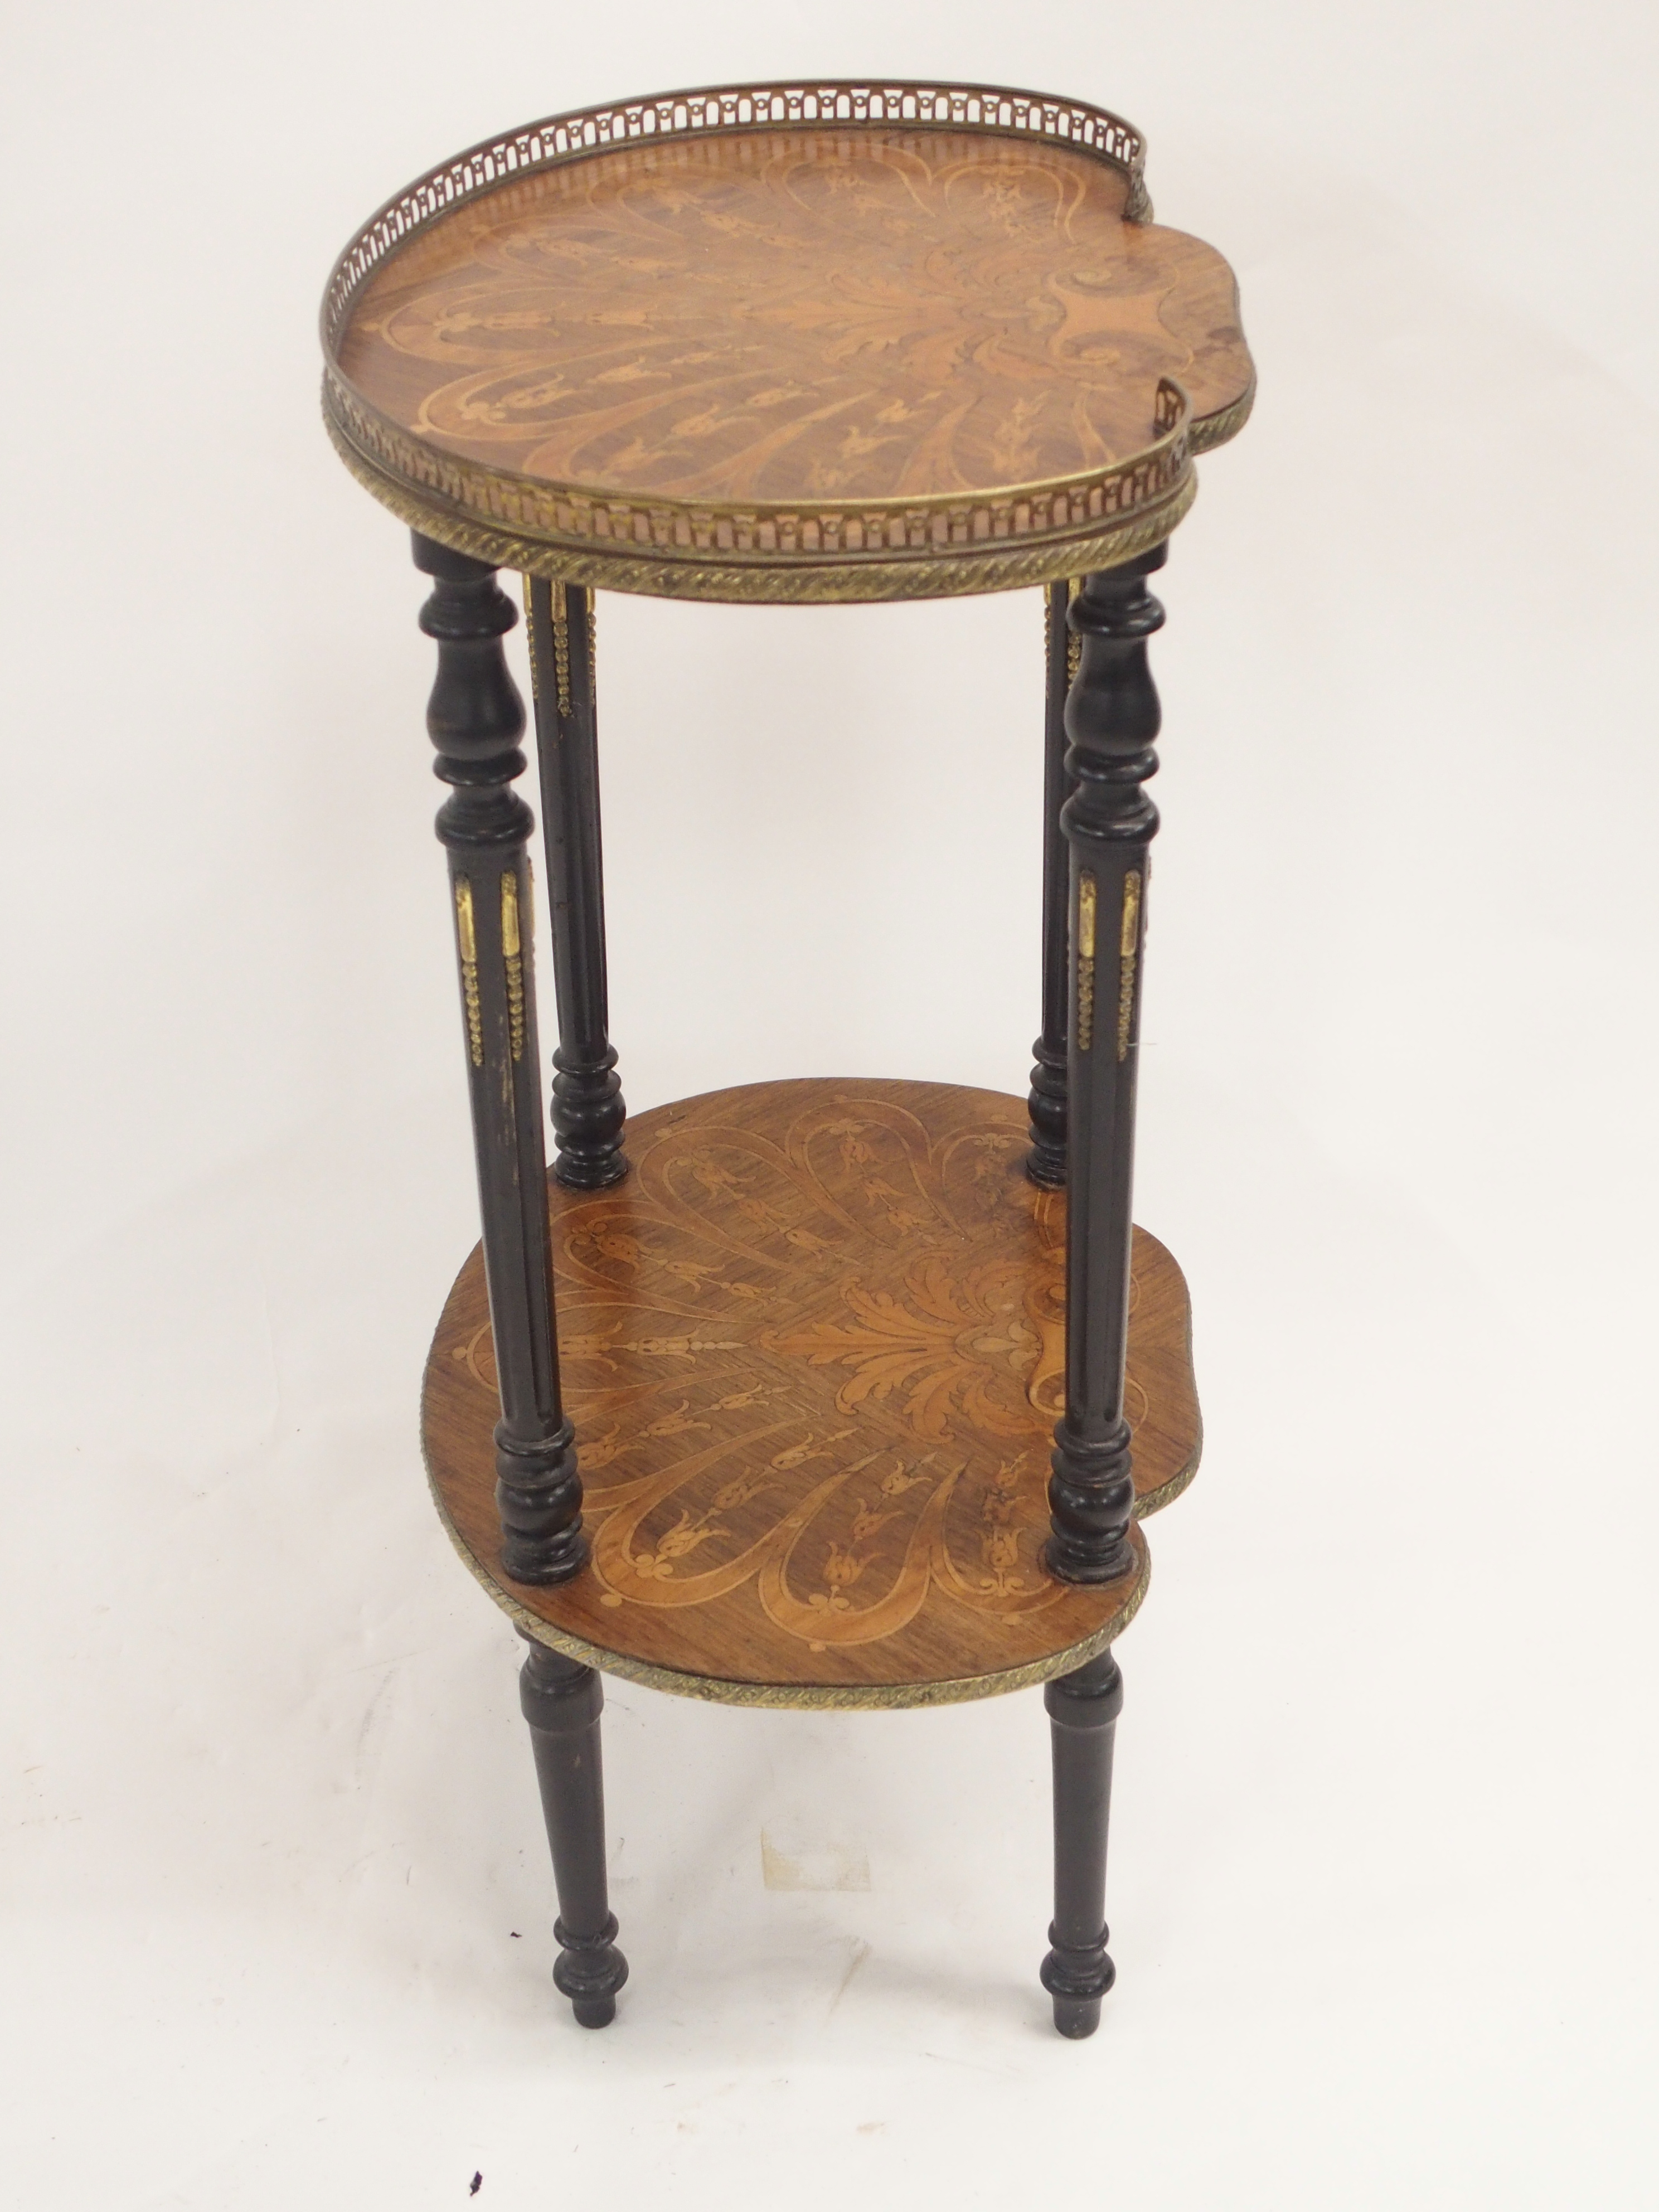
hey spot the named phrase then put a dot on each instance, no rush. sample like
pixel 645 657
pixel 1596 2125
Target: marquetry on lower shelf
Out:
pixel 814 1349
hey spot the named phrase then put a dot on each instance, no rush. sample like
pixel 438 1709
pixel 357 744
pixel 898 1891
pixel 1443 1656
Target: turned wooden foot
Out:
pixel 1083 1710
pixel 562 1702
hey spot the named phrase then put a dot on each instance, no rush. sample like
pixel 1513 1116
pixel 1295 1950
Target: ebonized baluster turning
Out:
pixel 588 1112
pixel 1046 1162
pixel 1112 717
pixel 476 719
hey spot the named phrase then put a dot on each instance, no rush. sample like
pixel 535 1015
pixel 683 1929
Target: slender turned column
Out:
pixel 562 1702
pixel 1083 1710
pixel 588 1112
pixel 1046 1162
pixel 1111 719
pixel 476 719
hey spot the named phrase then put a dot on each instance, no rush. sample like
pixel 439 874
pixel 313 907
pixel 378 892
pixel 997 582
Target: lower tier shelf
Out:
pixel 814 1348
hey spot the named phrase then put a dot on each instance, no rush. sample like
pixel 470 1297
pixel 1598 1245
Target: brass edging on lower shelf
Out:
pixel 842 1696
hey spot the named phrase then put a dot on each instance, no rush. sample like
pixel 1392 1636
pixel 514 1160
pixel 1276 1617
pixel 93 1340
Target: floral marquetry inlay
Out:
pixel 935 328
pixel 814 1351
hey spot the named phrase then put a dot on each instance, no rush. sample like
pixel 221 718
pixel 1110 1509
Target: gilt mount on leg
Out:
pixel 588 1110
pixel 1046 1162
pixel 475 720
pixel 1112 716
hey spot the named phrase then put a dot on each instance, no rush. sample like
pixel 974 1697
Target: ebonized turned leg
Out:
pixel 1083 1710
pixel 476 719
pixel 588 1112
pixel 1046 1162
pixel 563 1701
pixel 1111 718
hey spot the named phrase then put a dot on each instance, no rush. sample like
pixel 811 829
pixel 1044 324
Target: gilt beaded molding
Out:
pixel 627 546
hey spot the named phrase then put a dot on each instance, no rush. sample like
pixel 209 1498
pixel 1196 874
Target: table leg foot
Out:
pixel 1083 1710
pixel 563 1701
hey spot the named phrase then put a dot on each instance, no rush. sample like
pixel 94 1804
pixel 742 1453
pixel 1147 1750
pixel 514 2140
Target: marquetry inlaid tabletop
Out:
pixel 814 1348
pixel 788 344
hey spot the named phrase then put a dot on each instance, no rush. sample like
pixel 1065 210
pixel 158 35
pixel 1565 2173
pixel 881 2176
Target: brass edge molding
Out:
pixel 775 530
pixel 1128 945
pixel 512 960
pixel 839 1697
pixel 778 583
pixel 466 937
pixel 1179 1483
pixel 660 119
pixel 1210 431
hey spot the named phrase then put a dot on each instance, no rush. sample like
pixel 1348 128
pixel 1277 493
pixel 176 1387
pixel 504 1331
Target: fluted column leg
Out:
pixel 1111 718
pixel 588 1112
pixel 1046 1162
pixel 1083 1710
pixel 476 719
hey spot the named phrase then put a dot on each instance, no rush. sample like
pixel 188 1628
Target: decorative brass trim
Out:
pixel 935 547
pixel 467 937
pixel 512 960
pixel 562 650
pixel 1128 944
pixel 1210 431
pixel 837 1697
pixel 555 140
pixel 780 583
pixel 1074 639
pixel 529 583
pixel 773 532
pixel 1086 961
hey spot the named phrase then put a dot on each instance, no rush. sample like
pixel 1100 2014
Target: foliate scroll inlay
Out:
pixel 814 1363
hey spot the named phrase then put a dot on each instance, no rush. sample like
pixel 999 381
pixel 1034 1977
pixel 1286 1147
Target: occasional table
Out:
pixel 832 1393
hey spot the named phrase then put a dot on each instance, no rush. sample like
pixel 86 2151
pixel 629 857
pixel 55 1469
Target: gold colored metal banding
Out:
pixel 781 583
pixel 766 538
pixel 838 1697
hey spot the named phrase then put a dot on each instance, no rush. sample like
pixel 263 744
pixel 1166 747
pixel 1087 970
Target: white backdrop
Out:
pixel 1381 1884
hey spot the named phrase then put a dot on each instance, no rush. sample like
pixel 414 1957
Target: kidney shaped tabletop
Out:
pixel 770 343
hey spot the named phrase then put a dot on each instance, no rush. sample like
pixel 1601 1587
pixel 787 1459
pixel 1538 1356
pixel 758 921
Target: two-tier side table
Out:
pixel 816 1394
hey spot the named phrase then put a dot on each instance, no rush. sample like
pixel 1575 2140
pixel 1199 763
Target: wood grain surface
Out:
pixel 797 314
pixel 814 1351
